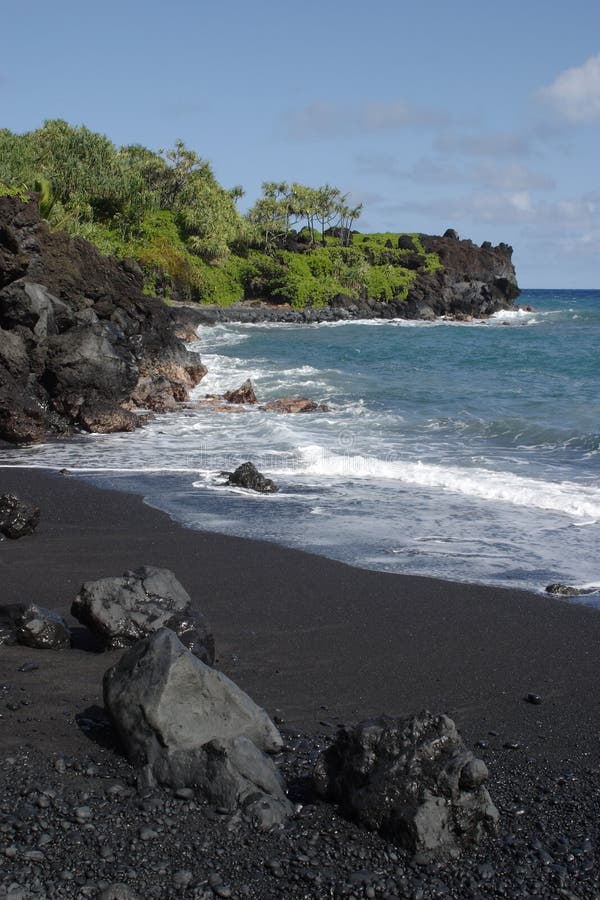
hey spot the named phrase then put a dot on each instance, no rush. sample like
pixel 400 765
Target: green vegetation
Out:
pixel 166 210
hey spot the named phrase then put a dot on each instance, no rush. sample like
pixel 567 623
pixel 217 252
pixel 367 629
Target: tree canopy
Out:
pixel 167 210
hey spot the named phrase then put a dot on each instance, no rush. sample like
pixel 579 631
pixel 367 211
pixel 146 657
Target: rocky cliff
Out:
pixel 472 282
pixel 81 346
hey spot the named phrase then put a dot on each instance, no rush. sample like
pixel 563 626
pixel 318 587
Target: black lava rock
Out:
pixel 248 476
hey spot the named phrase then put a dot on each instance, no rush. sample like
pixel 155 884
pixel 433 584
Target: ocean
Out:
pixel 466 451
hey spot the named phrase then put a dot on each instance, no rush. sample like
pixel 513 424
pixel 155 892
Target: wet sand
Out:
pixel 316 642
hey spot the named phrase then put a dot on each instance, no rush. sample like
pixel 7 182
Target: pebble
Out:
pixel 317 854
pixel 83 813
pixel 534 698
pixel 182 878
pixel 28 667
pixel 117 891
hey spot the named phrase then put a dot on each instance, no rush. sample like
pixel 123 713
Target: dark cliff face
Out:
pixel 80 344
pixel 472 280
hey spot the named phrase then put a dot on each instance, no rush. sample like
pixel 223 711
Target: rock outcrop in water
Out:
pixel 79 340
pixel 472 282
pixel 247 476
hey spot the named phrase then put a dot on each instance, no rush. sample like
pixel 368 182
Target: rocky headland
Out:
pixel 472 283
pixel 81 346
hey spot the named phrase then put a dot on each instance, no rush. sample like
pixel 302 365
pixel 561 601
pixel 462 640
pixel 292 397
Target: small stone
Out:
pixel 83 813
pixel 184 793
pixel 147 834
pixel 118 891
pixel 512 745
pixel 485 871
pixel 534 698
pixel 28 667
pixel 182 878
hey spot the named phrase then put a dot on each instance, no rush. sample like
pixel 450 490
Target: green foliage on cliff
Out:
pixel 167 211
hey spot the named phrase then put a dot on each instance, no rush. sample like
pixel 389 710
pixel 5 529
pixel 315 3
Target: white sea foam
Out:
pixel 568 498
pixel 210 337
pixel 510 315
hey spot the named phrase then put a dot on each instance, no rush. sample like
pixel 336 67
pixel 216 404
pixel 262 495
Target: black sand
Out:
pixel 310 639
pixel 316 642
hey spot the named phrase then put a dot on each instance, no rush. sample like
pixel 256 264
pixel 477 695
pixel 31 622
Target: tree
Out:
pixel 348 216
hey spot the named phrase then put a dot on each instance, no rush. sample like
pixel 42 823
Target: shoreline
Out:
pixel 310 638
pixel 87 478
pixel 316 643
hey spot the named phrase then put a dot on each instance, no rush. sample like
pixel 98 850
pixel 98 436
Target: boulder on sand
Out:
pixel 411 779
pixel 33 626
pixel 17 517
pixel 248 476
pixel 121 611
pixel 187 725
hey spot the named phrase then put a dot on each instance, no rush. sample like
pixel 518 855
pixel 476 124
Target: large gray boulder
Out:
pixel 411 779
pixel 186 724
pixel 33 626
pixel 123 610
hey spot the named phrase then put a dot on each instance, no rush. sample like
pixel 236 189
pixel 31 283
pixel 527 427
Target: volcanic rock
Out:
pixel 188 725
pixel 566 590
pixel 293 405
pixel 411 779
pixel 104 417
pixel 17 517
pixel 82 333
pixel 33 626
pixel 243 394
pixel 121 611
pixel 248 476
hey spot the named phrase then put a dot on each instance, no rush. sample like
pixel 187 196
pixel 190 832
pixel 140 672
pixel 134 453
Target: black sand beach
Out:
pixel 318 643
pixel 307 637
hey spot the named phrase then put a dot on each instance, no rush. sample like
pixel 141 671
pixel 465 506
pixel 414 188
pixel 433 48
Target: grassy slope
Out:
pixel 373 266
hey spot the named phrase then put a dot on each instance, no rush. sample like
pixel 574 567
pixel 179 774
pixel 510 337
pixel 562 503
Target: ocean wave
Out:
pixel 209 336
pixel 568 498
pixel 519 433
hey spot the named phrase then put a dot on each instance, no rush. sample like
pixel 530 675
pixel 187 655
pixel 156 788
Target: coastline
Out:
pixel 309 638
pixel 317 643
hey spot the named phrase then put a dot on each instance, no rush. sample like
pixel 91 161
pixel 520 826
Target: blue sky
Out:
pixel 481 117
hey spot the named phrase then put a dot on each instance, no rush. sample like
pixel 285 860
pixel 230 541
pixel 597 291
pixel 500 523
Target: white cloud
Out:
pixel 580 215
pixel 323 119
pixel 575 93
pixel 512 177
pixel 491 144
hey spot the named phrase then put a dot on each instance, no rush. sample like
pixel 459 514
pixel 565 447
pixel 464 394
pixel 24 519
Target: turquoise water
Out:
pixel 467 451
